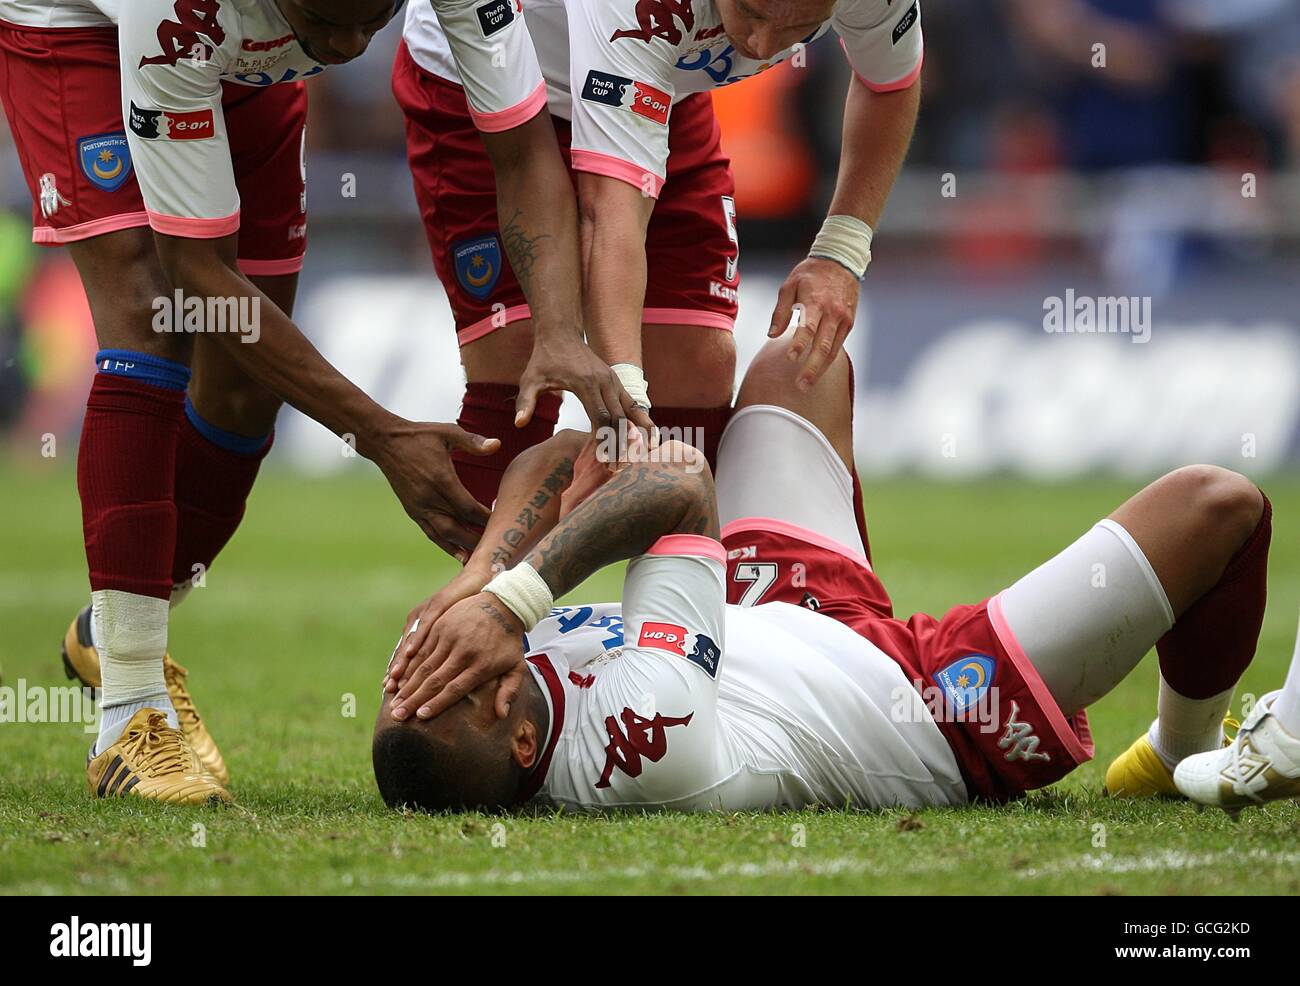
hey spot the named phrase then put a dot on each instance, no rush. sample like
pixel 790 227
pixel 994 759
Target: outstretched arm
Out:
pixel 481 637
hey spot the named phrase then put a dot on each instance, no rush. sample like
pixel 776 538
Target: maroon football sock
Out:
pixel 698 426
pixel 125 475
pixel 212 487
pixel 489 410
pixel 1208 649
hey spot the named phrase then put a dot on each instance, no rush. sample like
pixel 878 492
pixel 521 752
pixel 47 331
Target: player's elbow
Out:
pixel 687 470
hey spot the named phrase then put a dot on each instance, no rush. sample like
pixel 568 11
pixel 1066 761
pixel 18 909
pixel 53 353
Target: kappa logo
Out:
pixel 663 636
pixel 1020 741
pixel 658 19
pixel 105 160
pixel 251 45
pixel 639 737
pixel 52 200
pixel 747 552
pixel 150 124
pixel 195 34
pixel 495 16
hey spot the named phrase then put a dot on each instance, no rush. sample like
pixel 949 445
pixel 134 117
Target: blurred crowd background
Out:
pixel 1145 148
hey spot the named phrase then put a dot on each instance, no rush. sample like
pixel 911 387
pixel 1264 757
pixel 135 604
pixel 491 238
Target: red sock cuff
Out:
pixel 1246 560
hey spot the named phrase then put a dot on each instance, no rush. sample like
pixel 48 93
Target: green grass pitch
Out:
pixel 303 608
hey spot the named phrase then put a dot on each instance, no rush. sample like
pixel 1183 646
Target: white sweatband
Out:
pixel 847 241
pixel 524 593
pixel 633 381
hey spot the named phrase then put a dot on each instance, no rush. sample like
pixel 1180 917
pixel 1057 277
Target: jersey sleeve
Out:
pixel 496 59
pixel 621 79
pixel 661 695
pixel 171 62
pixel 882 41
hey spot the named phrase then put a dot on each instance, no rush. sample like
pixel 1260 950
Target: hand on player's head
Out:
pixel 463 759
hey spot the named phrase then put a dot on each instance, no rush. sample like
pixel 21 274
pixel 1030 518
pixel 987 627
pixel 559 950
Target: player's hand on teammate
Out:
pixel 568 363
pixel 415 645
pixel 824 296
pixel 475 640
pixel 415 458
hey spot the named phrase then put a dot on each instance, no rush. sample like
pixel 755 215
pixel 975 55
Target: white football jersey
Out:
pixel 174 56
pixel 676 700
pixel 60 13
pixel 615 67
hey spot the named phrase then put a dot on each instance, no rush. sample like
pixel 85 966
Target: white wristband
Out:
pixel 847 241
pixel 633 381
pixel 524 593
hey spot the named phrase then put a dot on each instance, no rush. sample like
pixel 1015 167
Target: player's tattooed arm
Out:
pixel 527 507
pixel 644 502
pixel 541 241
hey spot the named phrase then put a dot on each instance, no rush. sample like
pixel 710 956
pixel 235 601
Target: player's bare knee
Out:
pixel 689 366
pixel 772 378
pixel 1224 501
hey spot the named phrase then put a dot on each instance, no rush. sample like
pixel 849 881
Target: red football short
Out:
pixel 62 95
pixel 690 243
pixel 956 661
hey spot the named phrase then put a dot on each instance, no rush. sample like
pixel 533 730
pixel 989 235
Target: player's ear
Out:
pixel 523 744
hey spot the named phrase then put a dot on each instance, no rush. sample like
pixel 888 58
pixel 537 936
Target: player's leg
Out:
pixel 787 454
pixel 692 266
pixel 78 168
pixel 456 194
pixel 1179 566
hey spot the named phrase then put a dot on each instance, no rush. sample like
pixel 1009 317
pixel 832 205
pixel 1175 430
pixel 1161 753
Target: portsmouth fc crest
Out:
pixel 106 160
pixel 478 264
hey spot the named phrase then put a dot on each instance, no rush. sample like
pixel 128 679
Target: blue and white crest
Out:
pixel 478 264
pixel 105 159
pixel 966 680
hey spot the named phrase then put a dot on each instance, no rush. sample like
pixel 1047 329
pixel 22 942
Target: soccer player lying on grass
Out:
pixel 756 663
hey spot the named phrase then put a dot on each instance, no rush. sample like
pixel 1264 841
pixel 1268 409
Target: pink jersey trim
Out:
pixel 52 236
pixel 784 529
pixel 485 326
pixel 194 229
pixel 687 316
pixel 1079 751
pixel 904 83
pixel 690 544
pixel 521 112
pixel 596 163
pixel 272 268
pixel 650 316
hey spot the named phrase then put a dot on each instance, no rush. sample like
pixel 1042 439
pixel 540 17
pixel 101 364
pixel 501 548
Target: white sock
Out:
pixel 1185 726
pixel 1286 707
pixel 130 634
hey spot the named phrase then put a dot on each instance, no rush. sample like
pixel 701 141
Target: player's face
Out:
pixel 336 31
pixel 759 29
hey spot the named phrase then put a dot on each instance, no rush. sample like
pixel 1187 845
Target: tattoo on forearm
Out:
pixel 622 520
pixel 521 248
pixel 531 514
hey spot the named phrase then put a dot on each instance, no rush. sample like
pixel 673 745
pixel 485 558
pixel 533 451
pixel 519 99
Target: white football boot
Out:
pixel 1261 764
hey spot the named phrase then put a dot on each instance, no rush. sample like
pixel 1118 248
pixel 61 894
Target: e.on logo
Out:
pixel 190 126
pixel 664 636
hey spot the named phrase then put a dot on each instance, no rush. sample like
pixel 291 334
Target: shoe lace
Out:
pixel 155 747
pixel 175 676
